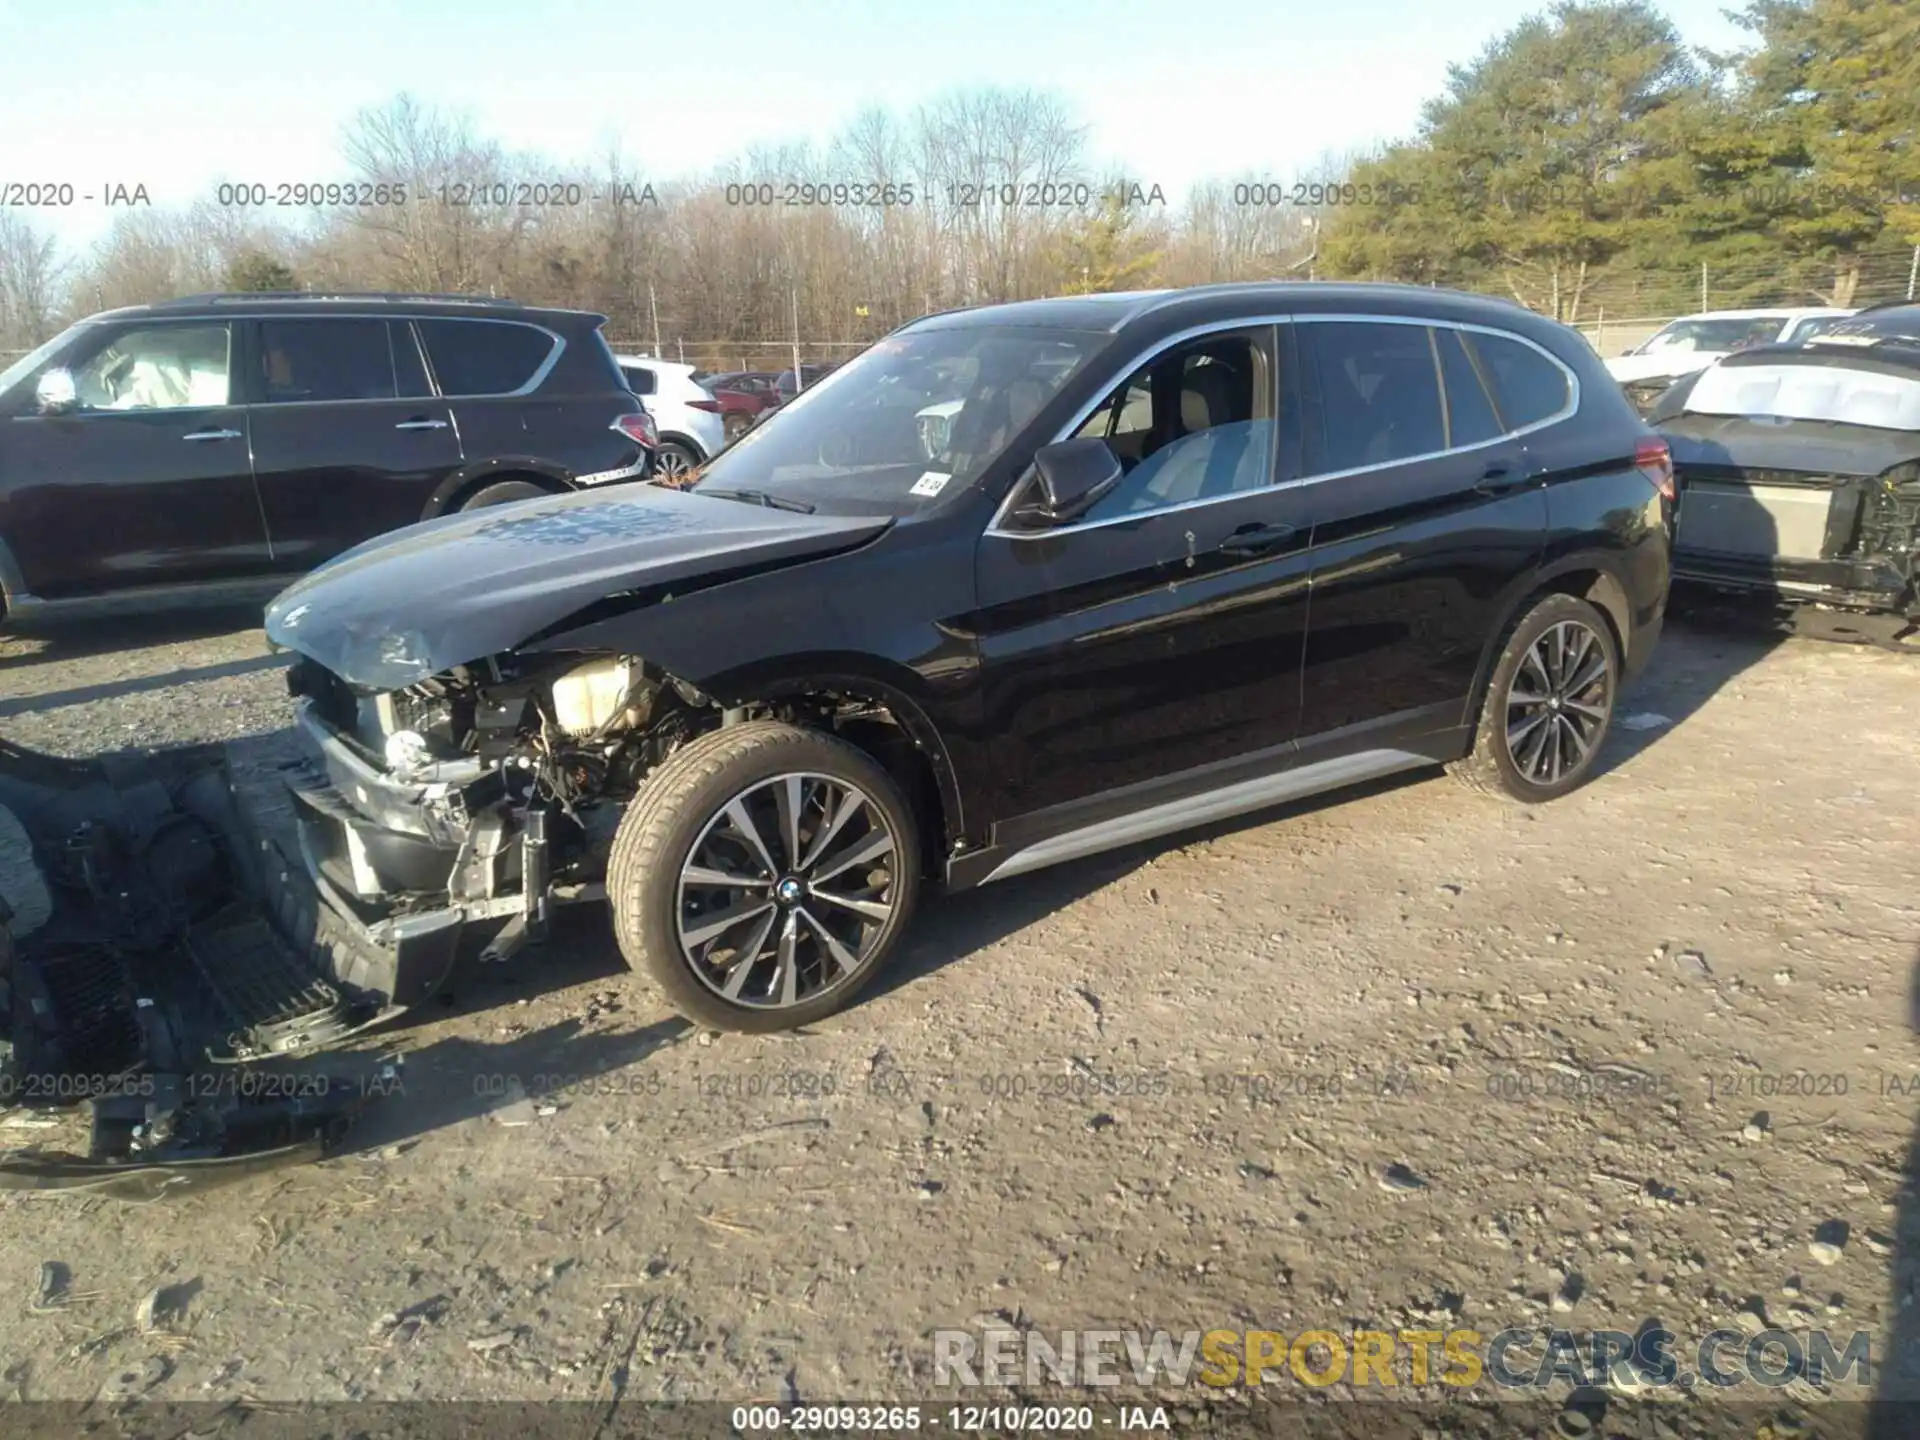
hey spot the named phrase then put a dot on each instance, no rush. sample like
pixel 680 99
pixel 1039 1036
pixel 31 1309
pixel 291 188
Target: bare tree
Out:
pixel 30 279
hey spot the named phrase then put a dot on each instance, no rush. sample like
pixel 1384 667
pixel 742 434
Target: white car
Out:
pixel 692 431
pixel 1694 342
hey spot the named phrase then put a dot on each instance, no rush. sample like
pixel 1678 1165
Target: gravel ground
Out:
pixel 1418 1058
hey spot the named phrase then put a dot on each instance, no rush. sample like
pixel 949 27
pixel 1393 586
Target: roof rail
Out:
pixel 255 297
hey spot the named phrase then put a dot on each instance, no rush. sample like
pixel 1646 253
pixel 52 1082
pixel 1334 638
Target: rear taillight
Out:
pixel 1652 458
pixel 712 407
pixel 639 427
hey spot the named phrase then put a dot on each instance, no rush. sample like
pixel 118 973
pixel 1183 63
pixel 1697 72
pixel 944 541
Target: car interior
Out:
pixel 157 370
pixel 1194 425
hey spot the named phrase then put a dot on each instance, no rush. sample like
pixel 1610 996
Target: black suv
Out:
pixel 210 449
pixel 1018 584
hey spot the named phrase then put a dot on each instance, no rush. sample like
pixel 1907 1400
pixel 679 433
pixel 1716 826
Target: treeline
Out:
pixel 1587 158
pixel 1586 161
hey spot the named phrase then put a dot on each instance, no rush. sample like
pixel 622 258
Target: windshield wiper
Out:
pixel 761 497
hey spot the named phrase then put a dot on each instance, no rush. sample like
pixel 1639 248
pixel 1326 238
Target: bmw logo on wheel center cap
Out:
pixel 789 891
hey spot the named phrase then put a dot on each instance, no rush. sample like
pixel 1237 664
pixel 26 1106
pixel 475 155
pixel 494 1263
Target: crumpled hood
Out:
pixel 410 604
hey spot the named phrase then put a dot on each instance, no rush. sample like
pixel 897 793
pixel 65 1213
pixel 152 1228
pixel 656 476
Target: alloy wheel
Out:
pixel 671 462
pixel 1558 702
pixel 787 891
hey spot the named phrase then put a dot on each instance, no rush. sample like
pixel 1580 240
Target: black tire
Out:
pixel 504 492
pixel 677 810
pixel 1582 714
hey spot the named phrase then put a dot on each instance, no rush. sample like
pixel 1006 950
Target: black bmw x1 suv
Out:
pixel 1018 584
pixel 207 450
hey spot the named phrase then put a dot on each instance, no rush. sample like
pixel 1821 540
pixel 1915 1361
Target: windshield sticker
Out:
pixel 930 483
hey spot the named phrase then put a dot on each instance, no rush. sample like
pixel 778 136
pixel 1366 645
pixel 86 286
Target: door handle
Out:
pixel 1502 476
pixel 211 435
pixel 1256 539
pixel 420 422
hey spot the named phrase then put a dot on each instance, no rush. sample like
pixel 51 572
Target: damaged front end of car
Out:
pixel 471 762
pixel 488 793
pixel 1799 488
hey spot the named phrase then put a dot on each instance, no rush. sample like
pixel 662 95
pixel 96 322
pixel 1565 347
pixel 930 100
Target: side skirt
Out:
pixel 1285 779
pixel 31 613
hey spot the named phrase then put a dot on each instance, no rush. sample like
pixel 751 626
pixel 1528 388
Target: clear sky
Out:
pixel 179 97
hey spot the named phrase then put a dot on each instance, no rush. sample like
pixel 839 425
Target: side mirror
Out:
pixel 1074 476
pixel 55 393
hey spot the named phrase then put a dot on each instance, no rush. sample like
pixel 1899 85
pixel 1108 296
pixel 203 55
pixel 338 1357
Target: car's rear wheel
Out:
pixel 762 874
pixel 503 492
pixel 673 462
pixel 1549 703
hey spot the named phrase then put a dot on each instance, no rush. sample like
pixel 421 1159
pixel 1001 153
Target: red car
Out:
pixel 744 396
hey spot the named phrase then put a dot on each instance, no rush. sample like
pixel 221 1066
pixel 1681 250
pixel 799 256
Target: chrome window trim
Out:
pixel 1250 322
pixel 539 375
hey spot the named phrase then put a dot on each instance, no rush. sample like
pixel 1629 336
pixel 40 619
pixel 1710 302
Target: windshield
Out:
pixel 1714 335
pixel 915 417
pixel 30 362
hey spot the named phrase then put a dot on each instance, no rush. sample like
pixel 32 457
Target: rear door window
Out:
pixel 310 360
pixel 410 372
pixel 1379 393
pixel 484 357
pixel 1527 386
pixel 1470 416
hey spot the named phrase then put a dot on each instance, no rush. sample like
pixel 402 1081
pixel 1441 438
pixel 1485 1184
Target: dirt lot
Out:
pixel 1162 1089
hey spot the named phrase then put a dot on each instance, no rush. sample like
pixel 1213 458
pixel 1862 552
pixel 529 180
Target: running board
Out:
pixel 1229 800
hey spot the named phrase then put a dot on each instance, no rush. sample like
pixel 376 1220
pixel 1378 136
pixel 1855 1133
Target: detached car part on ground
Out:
pixel 1799 477
pixel 140 975
pixel 865 653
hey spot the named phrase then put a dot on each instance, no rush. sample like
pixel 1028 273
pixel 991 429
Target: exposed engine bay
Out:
pixel 493 792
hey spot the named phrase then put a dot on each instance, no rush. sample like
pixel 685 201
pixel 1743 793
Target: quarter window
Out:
pixel 484 357
pixel 308 360
pixel 1527 386
pixel 164 367
pixel 1379 393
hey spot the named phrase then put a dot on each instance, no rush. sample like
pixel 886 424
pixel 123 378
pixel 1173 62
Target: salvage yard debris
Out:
pixel 150 988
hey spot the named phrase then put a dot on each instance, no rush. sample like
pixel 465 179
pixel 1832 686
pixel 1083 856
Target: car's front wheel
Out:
pixel 762 874
pixel 1548 705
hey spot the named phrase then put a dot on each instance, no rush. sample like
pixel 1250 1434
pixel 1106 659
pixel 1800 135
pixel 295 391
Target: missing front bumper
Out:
pixel 402 868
